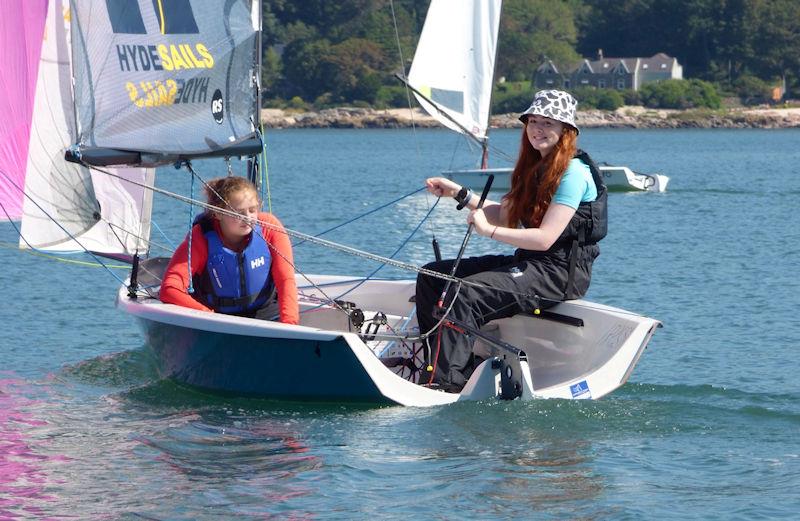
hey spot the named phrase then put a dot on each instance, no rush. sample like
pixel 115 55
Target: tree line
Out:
pixel 326 53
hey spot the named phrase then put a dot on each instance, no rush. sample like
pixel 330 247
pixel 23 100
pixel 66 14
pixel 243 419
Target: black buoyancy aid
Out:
pixel 235 283
pixel 578 242
pixel 586 228
pixel 590 222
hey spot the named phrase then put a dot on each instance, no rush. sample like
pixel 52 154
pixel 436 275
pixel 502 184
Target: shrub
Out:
pixel 609 99
pixel 324 101
pixel 391 96
pixel 297 103
pixel 631 97
pixel 680 94
pixel 703 94
pixel 594 98
pixel 511 100
pixel 752 90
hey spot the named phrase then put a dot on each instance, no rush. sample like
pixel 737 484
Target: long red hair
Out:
pixel 535 179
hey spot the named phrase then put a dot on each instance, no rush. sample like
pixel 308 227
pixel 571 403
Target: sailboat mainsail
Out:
pixel 454 63
pixel 164 79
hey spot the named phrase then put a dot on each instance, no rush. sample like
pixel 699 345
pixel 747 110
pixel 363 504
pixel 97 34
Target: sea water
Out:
pixel 706 428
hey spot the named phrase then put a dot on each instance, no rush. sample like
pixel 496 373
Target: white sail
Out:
pixel 454 62
pixel 67 208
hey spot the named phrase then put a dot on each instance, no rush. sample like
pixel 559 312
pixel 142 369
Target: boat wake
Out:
pixel 125 369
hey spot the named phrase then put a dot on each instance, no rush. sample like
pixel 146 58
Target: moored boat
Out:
pixel 616 178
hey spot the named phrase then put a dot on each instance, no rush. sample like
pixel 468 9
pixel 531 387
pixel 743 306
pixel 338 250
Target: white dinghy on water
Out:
pixel 362 349
pixel 452 76
pixel 616 178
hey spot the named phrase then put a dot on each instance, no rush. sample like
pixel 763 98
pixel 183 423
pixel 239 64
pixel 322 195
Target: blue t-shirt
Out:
pixel 577 185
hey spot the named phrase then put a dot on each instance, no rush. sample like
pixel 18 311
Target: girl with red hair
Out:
pixel 554 214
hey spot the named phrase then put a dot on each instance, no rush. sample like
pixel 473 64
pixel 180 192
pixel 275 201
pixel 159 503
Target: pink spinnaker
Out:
pixel 21 30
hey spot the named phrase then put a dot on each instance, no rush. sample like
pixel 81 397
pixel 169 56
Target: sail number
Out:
pixel 148 94
pixel 152 94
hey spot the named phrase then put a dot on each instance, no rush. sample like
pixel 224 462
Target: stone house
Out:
pixel 609 73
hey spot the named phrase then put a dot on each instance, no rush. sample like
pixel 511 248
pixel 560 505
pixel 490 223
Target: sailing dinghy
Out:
pixel 182 84
pixel 616 178
pixel 452 77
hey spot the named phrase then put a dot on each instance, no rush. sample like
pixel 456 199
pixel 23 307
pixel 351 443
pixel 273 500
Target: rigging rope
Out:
pixel 190 289
pixel 411 113
pixel 323 242
pixel 72 237
pixel 265 171
pixel 366 214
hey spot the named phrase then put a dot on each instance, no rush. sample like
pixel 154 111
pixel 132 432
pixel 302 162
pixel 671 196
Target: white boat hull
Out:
pixel 617 178
pixel 322 360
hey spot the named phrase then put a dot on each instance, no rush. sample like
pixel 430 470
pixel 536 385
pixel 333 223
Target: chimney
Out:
pixel 599 54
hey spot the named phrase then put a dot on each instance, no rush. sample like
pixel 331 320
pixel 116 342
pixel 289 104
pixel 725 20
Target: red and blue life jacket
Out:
pixel 235 283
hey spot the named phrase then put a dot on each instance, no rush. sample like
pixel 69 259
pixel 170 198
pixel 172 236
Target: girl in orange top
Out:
pixel 238 266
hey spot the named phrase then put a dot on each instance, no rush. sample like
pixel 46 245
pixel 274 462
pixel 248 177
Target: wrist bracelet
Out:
pixel 492 235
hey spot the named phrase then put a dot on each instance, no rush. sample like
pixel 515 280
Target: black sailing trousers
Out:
pixel 506 284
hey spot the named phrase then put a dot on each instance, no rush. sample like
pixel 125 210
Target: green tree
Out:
pixel 627 28
pixel 752 90
pixel 271 71
pixel 680 94
pixel 776 42
pixel 302 68
pixel 532 31
pixel 352 70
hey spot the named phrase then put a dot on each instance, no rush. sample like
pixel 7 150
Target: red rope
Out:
pixel 439 345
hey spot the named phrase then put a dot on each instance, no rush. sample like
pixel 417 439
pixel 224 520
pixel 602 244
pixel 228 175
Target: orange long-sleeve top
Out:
pixel 175 283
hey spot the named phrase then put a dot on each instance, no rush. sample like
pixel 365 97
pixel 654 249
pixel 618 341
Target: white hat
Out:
pixel 553 104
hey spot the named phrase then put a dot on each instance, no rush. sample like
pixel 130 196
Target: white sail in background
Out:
pixel 66 207
pixel 454 62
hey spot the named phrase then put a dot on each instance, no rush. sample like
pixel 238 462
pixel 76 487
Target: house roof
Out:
pixel 547 66
pixel 606 65
pixel 656 62
pixel 659 61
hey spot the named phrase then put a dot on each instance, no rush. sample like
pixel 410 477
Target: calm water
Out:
pixel 707 427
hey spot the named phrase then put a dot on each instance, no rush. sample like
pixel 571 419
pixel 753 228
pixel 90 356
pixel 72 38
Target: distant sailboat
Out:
pixel 453 67
pixel 452 77
pixel 616 178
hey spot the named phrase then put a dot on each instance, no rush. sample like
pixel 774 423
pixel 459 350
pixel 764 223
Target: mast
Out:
pixel 253 165
pixel 485 144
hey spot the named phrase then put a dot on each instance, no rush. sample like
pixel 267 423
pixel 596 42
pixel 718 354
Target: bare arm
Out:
pixel 442 187
pixel 555 220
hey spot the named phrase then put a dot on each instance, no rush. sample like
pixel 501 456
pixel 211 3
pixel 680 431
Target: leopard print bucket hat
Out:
pixel 553 104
